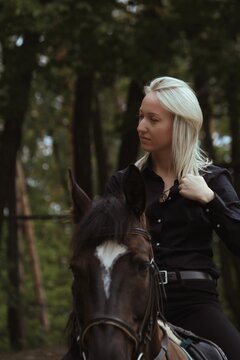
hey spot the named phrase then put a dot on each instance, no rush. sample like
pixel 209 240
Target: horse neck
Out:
pixel 154 345
pixel 174 350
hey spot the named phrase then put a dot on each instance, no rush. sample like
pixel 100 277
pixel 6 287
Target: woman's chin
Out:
pixel 146 147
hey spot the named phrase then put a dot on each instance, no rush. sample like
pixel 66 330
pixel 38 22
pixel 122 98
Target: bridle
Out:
pixel 145 332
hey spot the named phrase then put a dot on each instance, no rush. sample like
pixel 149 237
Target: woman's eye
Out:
pixel 154 120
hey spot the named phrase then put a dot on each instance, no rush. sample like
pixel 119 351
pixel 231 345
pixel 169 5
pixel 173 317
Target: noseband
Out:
pixel 144 335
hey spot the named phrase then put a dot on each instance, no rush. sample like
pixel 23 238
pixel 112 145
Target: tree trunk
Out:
pixel 202 90
pixel 232 94
pixel 14 304
pixel 130 143
pixel 28 231
pixel 19 63
pixel 60 167
pixel 81 132
pixel 101 154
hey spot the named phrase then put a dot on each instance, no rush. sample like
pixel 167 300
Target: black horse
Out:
pixel 116 293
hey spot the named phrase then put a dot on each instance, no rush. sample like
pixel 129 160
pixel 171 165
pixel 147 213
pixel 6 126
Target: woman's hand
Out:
pixel 195 188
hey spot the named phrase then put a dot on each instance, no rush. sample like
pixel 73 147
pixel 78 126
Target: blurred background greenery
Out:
pixel 71 79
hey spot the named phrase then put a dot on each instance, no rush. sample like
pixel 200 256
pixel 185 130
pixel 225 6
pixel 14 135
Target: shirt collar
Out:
pixel 147 166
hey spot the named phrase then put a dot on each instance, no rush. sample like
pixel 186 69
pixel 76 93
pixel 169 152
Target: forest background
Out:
pixel 71 79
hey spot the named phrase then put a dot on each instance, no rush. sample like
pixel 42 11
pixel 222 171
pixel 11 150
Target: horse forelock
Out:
pixel 107 219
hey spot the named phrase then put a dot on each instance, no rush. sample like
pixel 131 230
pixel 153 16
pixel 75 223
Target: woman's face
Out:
pixel 155 125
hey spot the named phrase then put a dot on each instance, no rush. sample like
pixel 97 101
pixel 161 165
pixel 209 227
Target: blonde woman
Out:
pixel 187 198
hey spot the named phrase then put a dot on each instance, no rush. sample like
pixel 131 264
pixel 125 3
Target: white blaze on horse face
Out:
pixel 108 253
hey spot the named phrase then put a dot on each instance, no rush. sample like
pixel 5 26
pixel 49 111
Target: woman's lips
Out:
pixel 144 139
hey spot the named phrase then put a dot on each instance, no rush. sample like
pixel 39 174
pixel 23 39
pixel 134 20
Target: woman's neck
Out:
pixel 163 166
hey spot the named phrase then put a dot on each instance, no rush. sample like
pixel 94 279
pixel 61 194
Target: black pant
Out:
pixel 193 305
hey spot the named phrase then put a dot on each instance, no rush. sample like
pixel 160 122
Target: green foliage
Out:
pixel 53 250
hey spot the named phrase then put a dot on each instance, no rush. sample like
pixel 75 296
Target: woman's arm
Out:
pixel 223 207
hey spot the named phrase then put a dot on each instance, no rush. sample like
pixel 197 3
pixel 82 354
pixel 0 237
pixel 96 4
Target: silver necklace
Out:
pixel 164 195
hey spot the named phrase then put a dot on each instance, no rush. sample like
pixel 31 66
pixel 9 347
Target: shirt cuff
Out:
pixel 217 207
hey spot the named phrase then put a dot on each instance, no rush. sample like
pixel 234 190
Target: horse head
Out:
pixel 115 288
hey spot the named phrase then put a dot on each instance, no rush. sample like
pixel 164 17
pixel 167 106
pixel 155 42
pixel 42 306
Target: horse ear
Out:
pixel 134 190
pixel 81 202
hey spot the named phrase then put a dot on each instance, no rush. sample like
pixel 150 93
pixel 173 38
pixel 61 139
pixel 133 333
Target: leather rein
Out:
pixel 144 335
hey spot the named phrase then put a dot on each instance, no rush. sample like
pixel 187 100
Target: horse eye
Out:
pixel 143 266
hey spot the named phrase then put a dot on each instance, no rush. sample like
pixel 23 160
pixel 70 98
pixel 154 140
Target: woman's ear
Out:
pixel 134 190
pixel 81 202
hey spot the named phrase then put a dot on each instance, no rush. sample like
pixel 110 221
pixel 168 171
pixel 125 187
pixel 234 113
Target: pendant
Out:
pixel 163 197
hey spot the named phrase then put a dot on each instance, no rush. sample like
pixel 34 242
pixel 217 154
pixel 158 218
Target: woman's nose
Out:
pixel 141 126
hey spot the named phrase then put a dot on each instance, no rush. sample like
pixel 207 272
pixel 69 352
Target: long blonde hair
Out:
pixel 177 97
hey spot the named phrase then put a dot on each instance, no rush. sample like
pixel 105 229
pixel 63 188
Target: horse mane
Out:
pixel 108 218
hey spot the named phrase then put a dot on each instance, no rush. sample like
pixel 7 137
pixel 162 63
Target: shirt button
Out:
pixel 207 210
pixel 158 244
pixel 218 225
pixel 169 198
pixel 159 220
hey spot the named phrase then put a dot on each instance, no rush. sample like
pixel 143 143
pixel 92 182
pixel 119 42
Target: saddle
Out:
pixel 198 348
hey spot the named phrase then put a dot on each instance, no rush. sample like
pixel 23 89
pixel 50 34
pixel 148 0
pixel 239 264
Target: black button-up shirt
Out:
pixel 182 229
